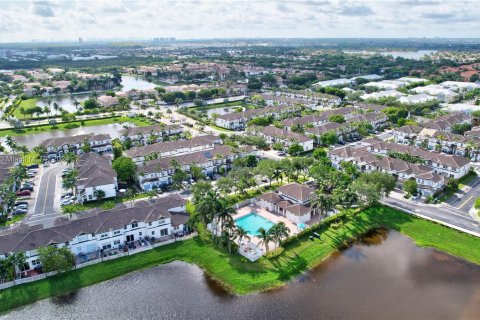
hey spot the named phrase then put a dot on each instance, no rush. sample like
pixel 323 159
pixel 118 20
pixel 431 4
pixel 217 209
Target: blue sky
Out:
pixel 59 20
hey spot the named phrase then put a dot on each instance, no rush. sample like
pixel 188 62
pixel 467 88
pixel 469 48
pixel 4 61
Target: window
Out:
pixel 161 221
pixel 134 225
pixel 35 262
pixel 104 235
pixel 116 232
pixel 116 242
pixel 125 227
pixel 164 232
pixel 90 197
pixel 139 233
pixel 150 224
pixel 176 227
pixel 153 232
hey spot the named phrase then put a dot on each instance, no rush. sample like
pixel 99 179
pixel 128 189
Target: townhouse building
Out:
pixel 343 131
pixel 98 232
pixel 158 173
pixel 447 165
pixel 377 120
pixel 95 172
pixel 57 147
pixel 428 181
pixel 238 120
pixel 273 135
pixel 172 148
pixel 318 119
pixel 141 136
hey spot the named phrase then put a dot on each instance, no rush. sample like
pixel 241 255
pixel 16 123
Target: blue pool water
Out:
pixel 252 222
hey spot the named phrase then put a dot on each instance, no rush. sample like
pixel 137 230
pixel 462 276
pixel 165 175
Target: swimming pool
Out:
pixel 252 222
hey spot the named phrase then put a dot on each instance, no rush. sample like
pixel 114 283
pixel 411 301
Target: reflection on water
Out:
pixel 33 140
pixel 130 82
pixel 66 102
pixel 394 279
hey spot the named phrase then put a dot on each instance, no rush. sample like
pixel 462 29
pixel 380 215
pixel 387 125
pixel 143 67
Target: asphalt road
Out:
pixel 464 200
pixel 47 191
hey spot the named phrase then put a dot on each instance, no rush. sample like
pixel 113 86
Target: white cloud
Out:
pixel 62 19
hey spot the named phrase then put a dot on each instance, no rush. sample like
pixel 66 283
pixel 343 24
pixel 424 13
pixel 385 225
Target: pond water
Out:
pixel 35 139
pixel 219 111
pixel 139 83
pixel 416 55
pixel 383 276
pixel 66 101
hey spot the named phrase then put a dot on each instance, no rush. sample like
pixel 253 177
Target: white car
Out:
pixel 66 202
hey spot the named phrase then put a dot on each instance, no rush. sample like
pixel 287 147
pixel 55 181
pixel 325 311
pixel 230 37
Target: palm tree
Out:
pixel 70 181
pixel 76 104
pixel 99 194
pixel 130 195
pixel 278 232
pixel 12 144
pixel 265 237
pixel 242 234
pixel 322 202
pixel 56 107
pixel 70 158
pixel 207 206
pixel 224 213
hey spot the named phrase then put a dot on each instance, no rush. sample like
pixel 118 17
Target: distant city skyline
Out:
pixel 24 21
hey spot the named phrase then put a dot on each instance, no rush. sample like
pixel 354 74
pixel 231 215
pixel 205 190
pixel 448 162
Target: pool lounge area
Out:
pixel 251 218
pixel 252 222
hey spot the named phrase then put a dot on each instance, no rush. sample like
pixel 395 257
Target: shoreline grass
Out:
pixel 241 277
pixel 72 125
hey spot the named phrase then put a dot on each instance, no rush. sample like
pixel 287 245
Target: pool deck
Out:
pixel 275 218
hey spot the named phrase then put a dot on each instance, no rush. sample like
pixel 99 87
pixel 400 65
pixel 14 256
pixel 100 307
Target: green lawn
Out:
pixel 466 180
pixel 15 218
pixel 26 104
pixel 242 277
pixel 75 124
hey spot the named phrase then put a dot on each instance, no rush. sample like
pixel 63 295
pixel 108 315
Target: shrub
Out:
pixel 477 203
pixel 275 253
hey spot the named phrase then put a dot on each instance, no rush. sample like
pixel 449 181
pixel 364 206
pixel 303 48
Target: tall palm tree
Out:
pixel 224 213
pixel 70 158
pixel 76 104
pixel 322 202
pixel 56 107
pixel 279 232
pixel 242 234
pixel 265 238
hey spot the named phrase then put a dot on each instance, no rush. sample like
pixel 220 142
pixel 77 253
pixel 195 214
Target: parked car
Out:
pixel 24 193
pixel 67 194
pixel 19 211
pixel 32 170
pixel 17 203
pixel 416 196
pixel 282 153
pixel 24 188
pixel 33 166
pixel 52 161
pixel 66 202
pixel 21 206
pixel 30 175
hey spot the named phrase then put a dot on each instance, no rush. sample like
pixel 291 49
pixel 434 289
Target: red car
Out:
pixel 23 193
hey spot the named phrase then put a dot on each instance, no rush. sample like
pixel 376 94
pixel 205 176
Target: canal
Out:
pixel 382 276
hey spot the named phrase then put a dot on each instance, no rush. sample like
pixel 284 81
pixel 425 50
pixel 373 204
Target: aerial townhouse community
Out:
pixel 430 151
pixel 100 233
pixel 57 147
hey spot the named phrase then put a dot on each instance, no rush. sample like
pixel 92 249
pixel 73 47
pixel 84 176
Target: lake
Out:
pixel 66 102
pixel 382 276
pixel 416 55
pixel 139 83
pixel 35 139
